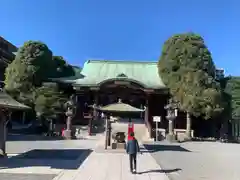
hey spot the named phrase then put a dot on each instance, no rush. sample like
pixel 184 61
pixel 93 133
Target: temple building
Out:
pixel 135 83
pixel 103 82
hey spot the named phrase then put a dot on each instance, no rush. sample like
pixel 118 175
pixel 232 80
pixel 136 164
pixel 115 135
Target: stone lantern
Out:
pixel 172 113
pixel 70 113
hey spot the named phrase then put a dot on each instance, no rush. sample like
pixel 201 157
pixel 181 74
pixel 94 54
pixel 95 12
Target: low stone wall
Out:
pixel 181 133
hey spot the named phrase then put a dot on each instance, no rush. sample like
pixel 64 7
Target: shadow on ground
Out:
pixel 160 171
pixel 161 147
pixel 53 158
pixel 21 137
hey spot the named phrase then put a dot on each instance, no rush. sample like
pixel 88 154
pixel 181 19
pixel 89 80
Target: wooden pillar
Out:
pixel 106 132
pixel 147 116
pixel 96 104
pixel 94 116
pixel 23 117
pixel 2 135
pixel 150 117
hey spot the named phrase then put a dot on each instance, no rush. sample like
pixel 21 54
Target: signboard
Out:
pixel 156 119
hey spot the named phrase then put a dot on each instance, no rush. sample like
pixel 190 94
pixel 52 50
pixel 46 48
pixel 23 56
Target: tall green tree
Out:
pixel 49 103
pixel 187 69
pixel 233 89
pixel 32 64
pixel 232 112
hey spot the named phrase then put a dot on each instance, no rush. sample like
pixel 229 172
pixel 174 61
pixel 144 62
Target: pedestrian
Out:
pixel 132 148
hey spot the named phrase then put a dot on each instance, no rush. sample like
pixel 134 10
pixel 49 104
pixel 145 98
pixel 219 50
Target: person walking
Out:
pixel 132 148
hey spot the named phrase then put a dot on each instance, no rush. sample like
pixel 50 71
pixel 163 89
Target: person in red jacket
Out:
pixel 130 130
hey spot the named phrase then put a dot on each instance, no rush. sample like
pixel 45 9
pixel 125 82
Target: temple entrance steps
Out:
pixel 139 128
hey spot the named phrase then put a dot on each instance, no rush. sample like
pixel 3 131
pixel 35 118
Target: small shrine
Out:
pixel 119 138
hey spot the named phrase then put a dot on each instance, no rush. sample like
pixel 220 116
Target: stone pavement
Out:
pixel 99 165
pixel 114 165
pixel 15 176
pixel 198 160
pixel 44 159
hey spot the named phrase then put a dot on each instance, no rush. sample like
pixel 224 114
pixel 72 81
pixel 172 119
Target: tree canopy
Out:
pixel 61 68
pixel 49 102
pixel 233 90
pixel 24 78
pixel 187 69
pixel 32 64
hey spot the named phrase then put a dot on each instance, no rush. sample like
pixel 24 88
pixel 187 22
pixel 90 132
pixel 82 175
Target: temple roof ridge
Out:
pixel 120 61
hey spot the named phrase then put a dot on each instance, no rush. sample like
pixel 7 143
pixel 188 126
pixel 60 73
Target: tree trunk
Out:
pixel 188 124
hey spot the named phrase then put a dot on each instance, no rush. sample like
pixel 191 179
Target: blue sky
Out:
pixel 80 30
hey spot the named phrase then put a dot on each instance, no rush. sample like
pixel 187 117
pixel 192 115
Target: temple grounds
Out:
pixel 198 160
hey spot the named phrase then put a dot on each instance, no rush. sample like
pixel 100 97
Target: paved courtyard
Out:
pixel 115 166
pixel 73 160
pixel 198 160
pixel 35 158
pixel 76 159
pixel 23 143
pixel 15 176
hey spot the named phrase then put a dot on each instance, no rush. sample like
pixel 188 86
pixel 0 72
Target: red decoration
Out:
pixel 130 129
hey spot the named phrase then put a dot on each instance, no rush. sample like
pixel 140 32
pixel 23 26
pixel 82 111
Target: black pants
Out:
pixel 133 161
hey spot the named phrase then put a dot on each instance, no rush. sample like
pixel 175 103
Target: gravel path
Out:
pixel 198 160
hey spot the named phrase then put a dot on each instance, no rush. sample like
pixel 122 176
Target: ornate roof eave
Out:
pixel 59 80
pixel 94 86
pixel 118 107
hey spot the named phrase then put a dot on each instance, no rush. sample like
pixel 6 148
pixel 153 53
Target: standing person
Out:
pixel 132 148
pixel 130 129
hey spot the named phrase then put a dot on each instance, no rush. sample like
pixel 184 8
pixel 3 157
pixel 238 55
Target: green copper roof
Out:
pixel 120 107
pixel 70 79
pixel 96 72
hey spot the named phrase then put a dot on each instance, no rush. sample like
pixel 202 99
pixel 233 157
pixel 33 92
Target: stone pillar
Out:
pixel 188 126
pixel 70 113
pixel 170 127
pixel 68 131
pixel 171 136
